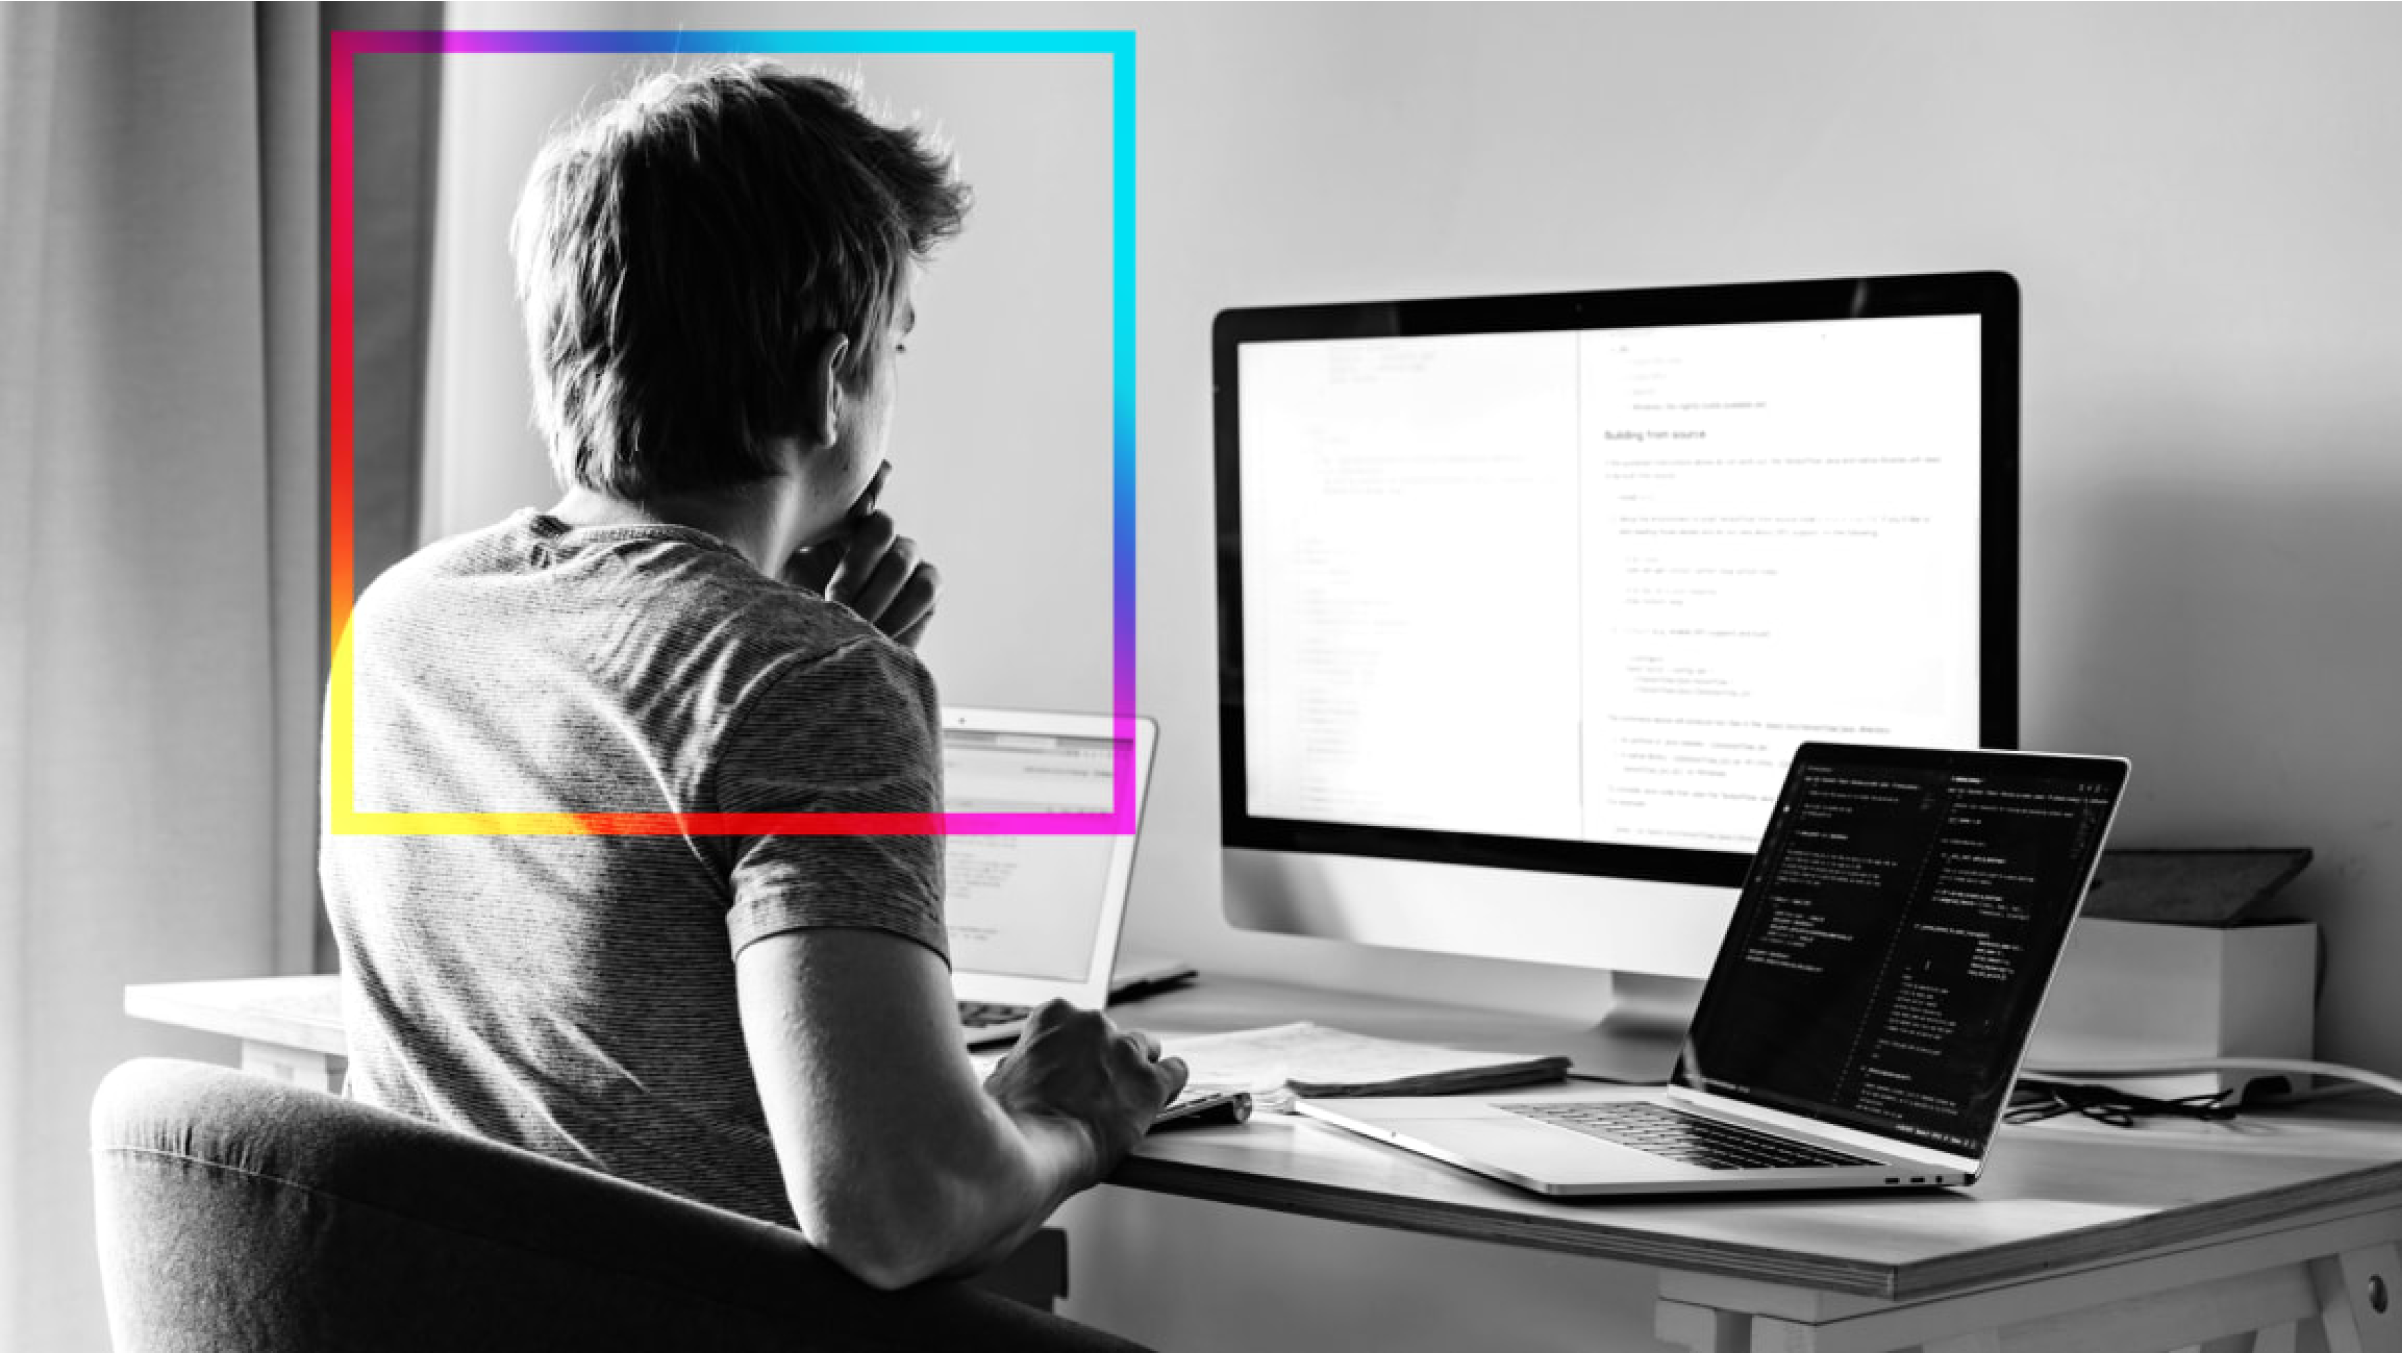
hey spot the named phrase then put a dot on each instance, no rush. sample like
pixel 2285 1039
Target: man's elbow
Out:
pixel 880 1263
pixel 888 1244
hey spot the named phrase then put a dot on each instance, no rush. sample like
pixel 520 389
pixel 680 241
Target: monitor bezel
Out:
pixel 1990 295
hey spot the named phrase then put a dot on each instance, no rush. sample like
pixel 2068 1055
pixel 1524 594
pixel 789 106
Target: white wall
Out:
pixel 2200 202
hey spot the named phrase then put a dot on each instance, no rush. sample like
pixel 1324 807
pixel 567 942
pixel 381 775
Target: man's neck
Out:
pixel 762 521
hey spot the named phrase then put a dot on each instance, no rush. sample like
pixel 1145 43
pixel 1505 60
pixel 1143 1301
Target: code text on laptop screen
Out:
pixel 1024 906
pixel 1897 936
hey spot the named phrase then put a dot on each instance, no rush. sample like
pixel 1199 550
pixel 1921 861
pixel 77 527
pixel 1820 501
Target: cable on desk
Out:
pixel 2033 1101
pixel 2087 1071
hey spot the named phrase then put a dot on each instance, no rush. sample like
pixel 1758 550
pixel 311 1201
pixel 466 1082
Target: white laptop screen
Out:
pixel 1896 936
pixel 1025 906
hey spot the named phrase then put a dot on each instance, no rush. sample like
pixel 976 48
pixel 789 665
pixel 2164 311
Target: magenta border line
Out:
pixel 345 45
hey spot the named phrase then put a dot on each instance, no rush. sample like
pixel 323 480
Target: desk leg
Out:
pixel 2272 1339
pixel 2228 1312
pixel 316 1070
pixel 2357 1296
pixel 2271 1294
pixel 1700 1329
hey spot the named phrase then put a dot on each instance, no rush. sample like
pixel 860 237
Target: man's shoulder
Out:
pixel 712 596
pixel 666 594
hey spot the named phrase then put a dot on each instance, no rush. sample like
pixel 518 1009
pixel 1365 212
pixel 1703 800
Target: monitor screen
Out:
pixel 1560 582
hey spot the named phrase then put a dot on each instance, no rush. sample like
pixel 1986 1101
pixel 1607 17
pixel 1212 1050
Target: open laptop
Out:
pixel 1863 1023
pixel 1036 917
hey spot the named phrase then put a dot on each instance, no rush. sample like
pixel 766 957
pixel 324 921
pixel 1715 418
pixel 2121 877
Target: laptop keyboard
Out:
pixel 985 1015
pixel 1706 1142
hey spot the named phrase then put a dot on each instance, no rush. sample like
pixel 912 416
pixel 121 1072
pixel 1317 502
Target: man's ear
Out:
pixel 823 405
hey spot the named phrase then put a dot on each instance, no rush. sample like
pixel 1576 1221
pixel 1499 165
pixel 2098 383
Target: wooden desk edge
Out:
pixel 2363 1190
pixel 2358 1191
pixel 213 1007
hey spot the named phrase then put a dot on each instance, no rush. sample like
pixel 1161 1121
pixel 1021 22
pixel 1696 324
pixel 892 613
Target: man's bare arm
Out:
pixel 899 1165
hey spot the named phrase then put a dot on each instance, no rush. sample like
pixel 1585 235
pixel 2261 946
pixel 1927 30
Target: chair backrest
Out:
pixel 237 1212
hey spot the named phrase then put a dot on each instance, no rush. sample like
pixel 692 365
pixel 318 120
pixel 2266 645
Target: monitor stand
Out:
pixel 1641 1034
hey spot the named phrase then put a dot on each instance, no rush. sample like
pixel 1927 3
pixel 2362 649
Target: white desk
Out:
pixel 2275 1235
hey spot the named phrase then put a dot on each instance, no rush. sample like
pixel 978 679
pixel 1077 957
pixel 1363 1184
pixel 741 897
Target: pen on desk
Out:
pixel 1222 1107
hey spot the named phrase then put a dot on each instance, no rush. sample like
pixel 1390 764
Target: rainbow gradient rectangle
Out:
pixel 1119 47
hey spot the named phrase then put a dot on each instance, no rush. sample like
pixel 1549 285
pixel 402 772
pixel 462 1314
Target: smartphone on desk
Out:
pixel 1194 1106
pixel 1200 1105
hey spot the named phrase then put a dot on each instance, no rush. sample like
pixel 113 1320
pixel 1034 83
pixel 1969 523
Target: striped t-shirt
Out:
pixel 574 994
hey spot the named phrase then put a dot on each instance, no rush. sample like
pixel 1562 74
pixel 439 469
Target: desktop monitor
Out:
pixel 1526 601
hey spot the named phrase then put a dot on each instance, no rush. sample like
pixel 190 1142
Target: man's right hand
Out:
pixel 872 568
pixel 1078 1065
pixel 897 1163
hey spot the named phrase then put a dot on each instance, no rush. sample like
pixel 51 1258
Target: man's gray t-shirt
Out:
pixel 575 994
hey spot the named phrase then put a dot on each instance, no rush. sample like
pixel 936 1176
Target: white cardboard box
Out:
pixel 2135 991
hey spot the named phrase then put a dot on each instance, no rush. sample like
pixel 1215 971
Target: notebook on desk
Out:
pixel 1036 917
pixel 1863 1023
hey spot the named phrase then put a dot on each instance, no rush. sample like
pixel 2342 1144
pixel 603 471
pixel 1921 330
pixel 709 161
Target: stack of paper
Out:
pixel 1288 1061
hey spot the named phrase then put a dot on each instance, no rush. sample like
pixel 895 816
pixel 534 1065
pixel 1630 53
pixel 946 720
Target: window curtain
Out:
pixel 162 606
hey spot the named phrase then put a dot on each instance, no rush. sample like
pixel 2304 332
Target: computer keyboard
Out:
pixel 1686 1137
pixel 987 1015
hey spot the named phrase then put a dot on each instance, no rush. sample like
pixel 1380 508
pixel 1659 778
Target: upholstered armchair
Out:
pixel 240 1213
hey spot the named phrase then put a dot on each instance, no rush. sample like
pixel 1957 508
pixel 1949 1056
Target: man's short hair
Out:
pixel 683 252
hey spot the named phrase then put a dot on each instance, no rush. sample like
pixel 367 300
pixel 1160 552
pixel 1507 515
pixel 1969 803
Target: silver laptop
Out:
pixel 1863 1023
pixel 1033 917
